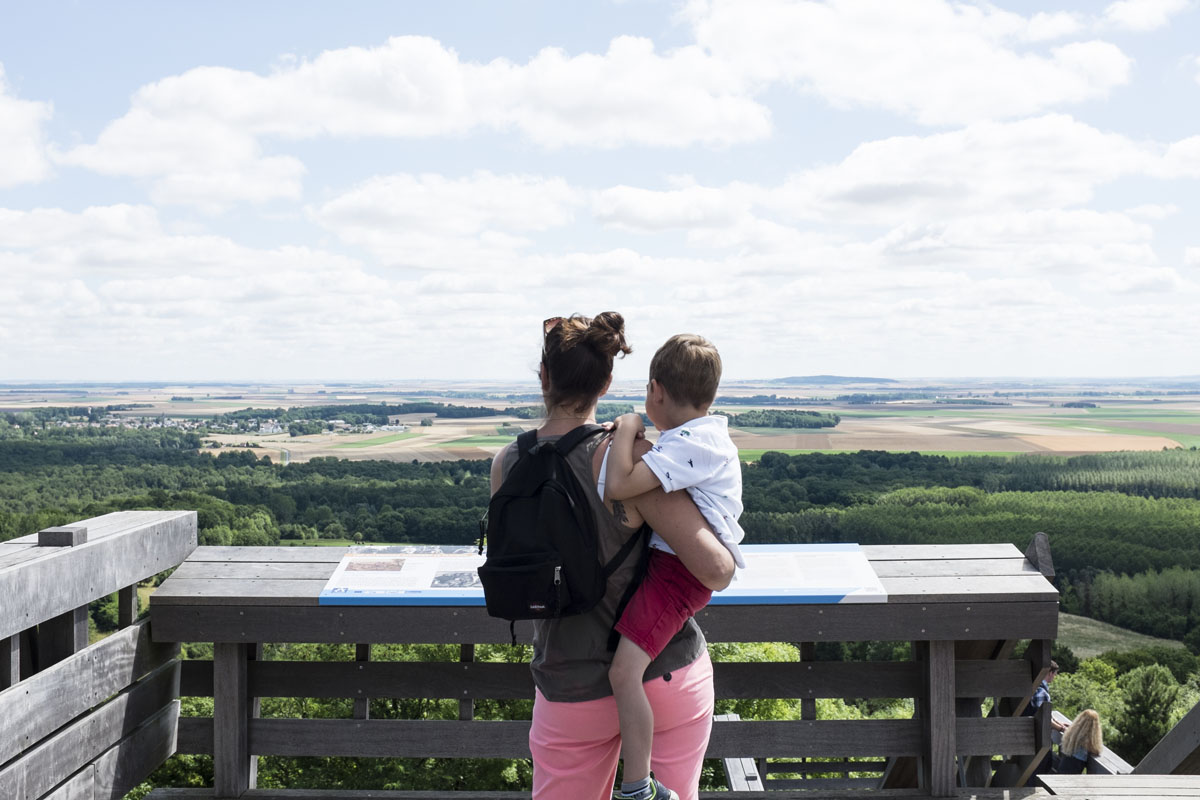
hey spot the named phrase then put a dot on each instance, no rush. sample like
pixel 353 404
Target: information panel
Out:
pixel 402 575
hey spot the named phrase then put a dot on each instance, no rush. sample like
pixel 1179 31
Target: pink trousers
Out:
pixel 576 746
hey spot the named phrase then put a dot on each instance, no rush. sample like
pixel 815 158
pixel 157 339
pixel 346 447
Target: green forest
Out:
pixel 1123 529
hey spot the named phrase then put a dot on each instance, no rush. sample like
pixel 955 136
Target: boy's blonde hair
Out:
pixel 688 367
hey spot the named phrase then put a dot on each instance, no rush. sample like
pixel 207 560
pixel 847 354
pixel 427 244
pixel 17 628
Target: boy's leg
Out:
pixel 633 708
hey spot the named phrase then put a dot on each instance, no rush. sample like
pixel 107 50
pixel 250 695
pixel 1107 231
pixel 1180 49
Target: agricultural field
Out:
pixel 972 418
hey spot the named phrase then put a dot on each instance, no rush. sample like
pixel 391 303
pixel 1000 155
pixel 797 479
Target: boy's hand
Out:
pixel 634 422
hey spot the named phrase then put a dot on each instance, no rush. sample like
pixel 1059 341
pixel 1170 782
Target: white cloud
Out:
pixel 431 221
pixel 1191 256
pixel 936 61
pixel 690 207
pixel 1142 15
pixel 21 138
pixel 200 135
pixel 1153 211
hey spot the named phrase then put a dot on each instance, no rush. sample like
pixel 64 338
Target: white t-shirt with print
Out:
pixel 699 456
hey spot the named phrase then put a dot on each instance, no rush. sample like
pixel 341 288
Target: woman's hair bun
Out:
pixel 607 334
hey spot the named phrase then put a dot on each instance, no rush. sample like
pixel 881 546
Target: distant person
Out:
pixel 575 736
pixel 1041 696
pixel 1083 740
pixel 693 452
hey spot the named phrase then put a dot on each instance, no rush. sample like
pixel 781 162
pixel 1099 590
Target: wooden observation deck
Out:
pixel 90 722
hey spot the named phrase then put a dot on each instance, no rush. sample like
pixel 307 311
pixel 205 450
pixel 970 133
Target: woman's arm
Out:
pixel 676 519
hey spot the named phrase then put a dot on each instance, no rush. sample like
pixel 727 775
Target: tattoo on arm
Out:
pixel 619 512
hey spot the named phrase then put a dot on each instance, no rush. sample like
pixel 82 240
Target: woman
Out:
pixel 574 739
pixel 1081 741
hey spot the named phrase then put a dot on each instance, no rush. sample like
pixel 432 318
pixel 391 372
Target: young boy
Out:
pixel 693 452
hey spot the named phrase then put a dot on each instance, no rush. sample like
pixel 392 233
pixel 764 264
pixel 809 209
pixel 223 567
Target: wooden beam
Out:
pixel 231 719
pixel 194 622
pixel 362 702
pixel 938 729
pixel 1180 746
pixel 122 549
pixel 466 705
pixel 55 759
pixel 62 637
pixel 51 699
pixel 127 605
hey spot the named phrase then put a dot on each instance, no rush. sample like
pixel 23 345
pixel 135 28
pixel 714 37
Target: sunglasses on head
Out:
pixel 550 324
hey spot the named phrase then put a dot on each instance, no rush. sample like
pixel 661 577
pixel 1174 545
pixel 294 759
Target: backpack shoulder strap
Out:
pixel 526 442
pixel 572 438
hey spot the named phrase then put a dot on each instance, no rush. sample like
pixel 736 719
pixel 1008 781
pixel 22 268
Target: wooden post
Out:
pixel 938 769
pixel 127 606
pixel 808 705
pixel 231 720
pixel 62 637
pixel 466 706
pixel 362 705
pixel 10 660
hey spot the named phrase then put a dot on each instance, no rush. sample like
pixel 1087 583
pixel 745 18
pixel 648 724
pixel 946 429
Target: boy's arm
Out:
pixel 627 476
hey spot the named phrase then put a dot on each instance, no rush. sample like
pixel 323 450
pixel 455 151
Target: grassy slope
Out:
pixel 1088 638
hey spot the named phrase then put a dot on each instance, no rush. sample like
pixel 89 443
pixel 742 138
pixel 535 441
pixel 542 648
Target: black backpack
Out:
pixel 543 552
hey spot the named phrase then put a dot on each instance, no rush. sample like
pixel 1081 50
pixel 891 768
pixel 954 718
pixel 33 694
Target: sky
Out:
pixel 295 190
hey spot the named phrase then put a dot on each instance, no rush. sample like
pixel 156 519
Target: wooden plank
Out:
pixel 50 699
pixel 450 680
pixel 51 585
pixel 12 554
pixel 225 555
pixel 252 570
pixel 509 738
pixel 231 719
pixel 932 568
pixel 938 552
pixel 226 592
pixel 958 589
pixel 1175 749
pixel 80 786
pixel 129 762
pixel 42 767
pixel 1127 785
pixel 431 624
pixel 108 524
pixel 938 730
pixel 406 794
pixel 466 704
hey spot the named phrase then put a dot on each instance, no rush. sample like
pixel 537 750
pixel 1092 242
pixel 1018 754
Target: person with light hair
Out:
pixel 1082 741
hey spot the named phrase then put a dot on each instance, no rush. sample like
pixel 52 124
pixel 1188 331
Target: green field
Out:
pixel 1088 638
pixel 393 437
pixel 479 441
pixel 747 454
pixel 782 431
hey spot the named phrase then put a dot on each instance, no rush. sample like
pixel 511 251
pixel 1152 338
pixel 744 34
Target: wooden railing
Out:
pixel 962 608
pixel 82 721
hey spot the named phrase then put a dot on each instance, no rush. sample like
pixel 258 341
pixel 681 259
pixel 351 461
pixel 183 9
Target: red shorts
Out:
pixel 667 597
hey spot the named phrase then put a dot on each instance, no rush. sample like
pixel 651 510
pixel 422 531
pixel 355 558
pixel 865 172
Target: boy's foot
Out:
pixel 655 791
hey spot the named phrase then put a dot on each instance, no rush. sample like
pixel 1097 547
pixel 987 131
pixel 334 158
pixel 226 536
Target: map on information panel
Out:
pixel 775 574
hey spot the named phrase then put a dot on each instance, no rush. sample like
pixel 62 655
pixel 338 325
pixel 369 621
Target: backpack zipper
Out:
pixel 557 575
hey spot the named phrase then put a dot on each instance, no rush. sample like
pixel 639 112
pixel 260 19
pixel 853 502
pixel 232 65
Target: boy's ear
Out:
pixel 656 391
